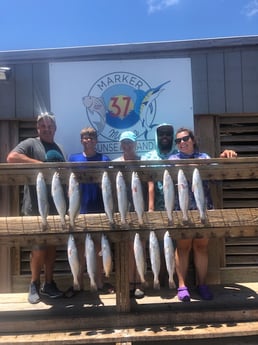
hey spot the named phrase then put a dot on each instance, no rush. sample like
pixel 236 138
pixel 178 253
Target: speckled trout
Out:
pixel 139 257
pixel 42 197
pixel 73 260
pixel 197 189
pixel 137 197
pixel 106 255
pixel 169 253
pixel 91 261
pixel 183 194
pixel 107 196
pixel 169 195
pixel 154 251
pixel 58 196
pixel 121 196
pixel 74 199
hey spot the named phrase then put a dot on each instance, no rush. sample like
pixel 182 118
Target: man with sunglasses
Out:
pixel 164 140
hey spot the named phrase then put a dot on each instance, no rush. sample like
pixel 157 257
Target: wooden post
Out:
pixel 5 269
pixel 122 276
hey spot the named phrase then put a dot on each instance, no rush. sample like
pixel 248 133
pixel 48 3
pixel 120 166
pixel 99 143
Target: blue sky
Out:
pixel 36 24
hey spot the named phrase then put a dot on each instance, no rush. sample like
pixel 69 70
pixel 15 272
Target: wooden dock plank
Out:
pixel 232 303
pixel 128 335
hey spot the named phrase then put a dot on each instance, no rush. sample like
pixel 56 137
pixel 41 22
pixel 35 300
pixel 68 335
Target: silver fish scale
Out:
pixel 73 260
pixel 121 196
pixel 57 193
pixel 42 197
pixel 183 194
pixel 137 197
pixel 74 199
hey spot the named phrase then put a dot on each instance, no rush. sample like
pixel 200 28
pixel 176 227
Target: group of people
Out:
pixel 45 149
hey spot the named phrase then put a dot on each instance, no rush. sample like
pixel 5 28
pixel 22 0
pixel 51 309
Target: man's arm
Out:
pixel 151 195
pixel 15 157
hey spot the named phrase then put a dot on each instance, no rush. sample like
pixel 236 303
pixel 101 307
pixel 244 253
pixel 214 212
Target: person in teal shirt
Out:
pixel 164 140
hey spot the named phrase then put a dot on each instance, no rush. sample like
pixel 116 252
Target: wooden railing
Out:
pixel 220 223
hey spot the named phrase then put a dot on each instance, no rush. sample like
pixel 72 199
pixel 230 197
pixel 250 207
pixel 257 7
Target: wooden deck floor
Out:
pixel 90 318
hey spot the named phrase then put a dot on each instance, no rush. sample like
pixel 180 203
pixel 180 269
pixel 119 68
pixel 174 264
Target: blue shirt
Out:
pixel 91 194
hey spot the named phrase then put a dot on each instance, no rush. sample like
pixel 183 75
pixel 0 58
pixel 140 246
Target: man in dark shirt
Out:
pixel 39 150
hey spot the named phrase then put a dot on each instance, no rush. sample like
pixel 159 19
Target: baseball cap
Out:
pixel 128 135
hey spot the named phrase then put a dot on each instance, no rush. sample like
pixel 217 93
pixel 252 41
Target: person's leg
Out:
pixel 183 248
pixel 49 288
pixel 200 249
pixel 200 252
pixel 37 258
pixel 50 257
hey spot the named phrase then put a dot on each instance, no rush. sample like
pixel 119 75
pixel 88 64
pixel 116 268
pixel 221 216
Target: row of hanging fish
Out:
pixel 169 196
pixel 106 254
pixel 58 195
pixel 155 258
pixel 121 190
pixel 183 195
pixel 91 259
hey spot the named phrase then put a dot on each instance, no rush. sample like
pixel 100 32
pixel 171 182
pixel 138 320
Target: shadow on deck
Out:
pixel 89 318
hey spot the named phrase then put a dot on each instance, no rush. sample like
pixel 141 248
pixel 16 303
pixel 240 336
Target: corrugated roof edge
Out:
pixel 125 48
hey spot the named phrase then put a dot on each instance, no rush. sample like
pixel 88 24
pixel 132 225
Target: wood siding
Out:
pixel 224 81
pixel 224 73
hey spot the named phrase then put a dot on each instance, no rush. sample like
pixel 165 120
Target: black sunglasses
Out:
pixel 164 133
pixel 178 140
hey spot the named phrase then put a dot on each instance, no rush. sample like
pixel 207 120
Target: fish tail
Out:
pixel 171 283
pixel 76 285
pixel 45 225
pixel 93 285
pixel 156 285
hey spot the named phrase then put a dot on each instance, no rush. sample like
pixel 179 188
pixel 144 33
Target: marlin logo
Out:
pixel 120 101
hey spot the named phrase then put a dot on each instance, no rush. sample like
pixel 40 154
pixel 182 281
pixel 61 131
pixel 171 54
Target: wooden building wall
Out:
pixel 224 81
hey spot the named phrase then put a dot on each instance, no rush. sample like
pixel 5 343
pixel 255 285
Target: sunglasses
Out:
pixel 165 133
pixel 178 140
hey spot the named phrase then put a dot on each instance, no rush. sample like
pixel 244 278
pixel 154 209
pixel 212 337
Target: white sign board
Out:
pixel 118 95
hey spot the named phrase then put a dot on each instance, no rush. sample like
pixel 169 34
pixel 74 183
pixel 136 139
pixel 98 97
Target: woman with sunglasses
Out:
pixel 188 149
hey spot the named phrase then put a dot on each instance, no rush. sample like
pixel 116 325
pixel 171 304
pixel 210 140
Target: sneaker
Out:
pixel 138 293
pixel 33 296
pixel 204 292
pixel 51 290
pixel 183 294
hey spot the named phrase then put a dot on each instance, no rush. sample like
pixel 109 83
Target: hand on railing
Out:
pixel 228 154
